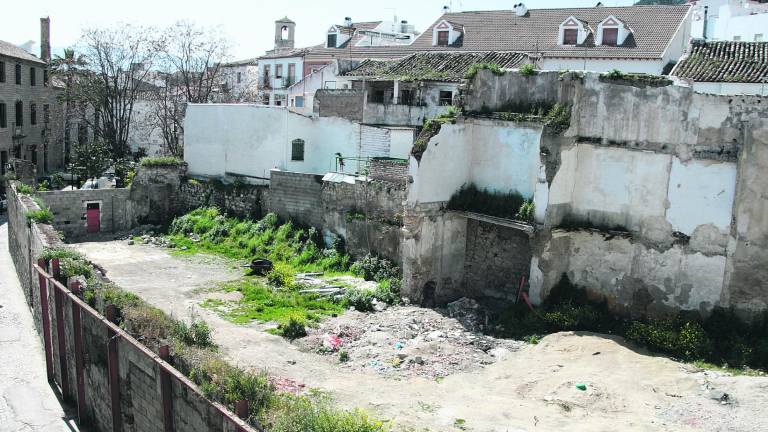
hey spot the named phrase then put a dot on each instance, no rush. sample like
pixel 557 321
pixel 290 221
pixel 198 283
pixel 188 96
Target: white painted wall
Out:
pixel 601 65
pixel 276 84
pixel 499 156
pixel 701 192
pixel 401 142
pixel 253 139
pixel 143 133
pixel 731 88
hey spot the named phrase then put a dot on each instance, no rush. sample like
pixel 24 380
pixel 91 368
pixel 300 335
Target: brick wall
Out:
pixel 347 104
pixel 496 258
pixel 393 171
pixel 139 370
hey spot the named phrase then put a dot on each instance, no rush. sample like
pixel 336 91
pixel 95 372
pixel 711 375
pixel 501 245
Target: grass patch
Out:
pixel 42 216
pixel 261 302
pixel 292 249
pixel 161 161
pixel 25 189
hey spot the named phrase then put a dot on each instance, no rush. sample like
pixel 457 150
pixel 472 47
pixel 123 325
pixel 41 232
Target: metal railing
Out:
pixel 48 274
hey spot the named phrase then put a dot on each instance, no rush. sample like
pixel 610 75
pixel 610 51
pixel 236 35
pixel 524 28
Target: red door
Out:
pixel 93 217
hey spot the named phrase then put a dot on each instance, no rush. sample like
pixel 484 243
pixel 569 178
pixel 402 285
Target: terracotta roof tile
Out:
pixel 436 66
pixel 745 62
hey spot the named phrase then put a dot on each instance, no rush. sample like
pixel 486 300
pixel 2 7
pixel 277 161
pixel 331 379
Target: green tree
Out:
pixel 91 159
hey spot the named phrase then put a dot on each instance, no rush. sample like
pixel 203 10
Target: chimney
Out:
pixel 45 39
pixel 520 10
pixel 348 21
pixel 706 12
pixel 446 9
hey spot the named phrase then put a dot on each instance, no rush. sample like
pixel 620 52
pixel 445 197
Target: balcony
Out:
pixel 18 131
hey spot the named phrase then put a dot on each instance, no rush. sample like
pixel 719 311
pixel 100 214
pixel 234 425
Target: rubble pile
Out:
pixel 404 341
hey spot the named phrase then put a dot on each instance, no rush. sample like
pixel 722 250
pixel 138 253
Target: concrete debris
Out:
pixel 406 341
pixel 469 313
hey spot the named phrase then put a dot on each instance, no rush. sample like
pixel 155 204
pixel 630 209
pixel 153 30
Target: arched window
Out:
pixel 297 149
pixel 284 33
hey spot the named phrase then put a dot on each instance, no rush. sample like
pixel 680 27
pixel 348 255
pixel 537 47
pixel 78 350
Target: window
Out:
pixel 239 77
pixel 299 101
pixel 759 37
pixel 278 71
pixel 297 150
pixel 570 36
pixel 442 38
pixel 46 113
pixel 3 116
pixel 33 150
pixel 45 77
pixel 377 96
pixel 18 74
pixel 33 114
pixel 3 161
pixel 284 33
pixel 32 76
pixel 446 98
pixel 610 36
pixel 291 72
pixel 332 40
pixel 2 72
pixel 19 111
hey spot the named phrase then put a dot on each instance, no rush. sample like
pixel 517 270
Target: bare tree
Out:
pixel 118 64
pixel 190 66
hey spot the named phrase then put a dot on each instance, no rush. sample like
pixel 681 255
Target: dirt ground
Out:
pixel 526 388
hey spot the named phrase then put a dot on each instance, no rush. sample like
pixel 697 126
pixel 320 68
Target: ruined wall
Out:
pixel 138 369
pixel 497 258
pixel 245 201
pixel 340 103
pixel 650 199
pixel 366 214
pixel 388 170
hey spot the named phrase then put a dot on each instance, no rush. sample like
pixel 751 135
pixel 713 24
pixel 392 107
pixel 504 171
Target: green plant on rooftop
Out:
pixel 527 69
pixel 493 67
pixel 511 205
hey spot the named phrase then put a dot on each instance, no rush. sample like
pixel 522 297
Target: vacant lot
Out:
pixel 531 387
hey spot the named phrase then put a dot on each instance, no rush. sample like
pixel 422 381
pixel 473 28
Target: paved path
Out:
pixel 27 402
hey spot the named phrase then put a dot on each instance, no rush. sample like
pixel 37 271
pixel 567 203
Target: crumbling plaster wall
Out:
pixel 675 172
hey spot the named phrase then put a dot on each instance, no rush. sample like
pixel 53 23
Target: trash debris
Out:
pixel 332 342
pixel 582 387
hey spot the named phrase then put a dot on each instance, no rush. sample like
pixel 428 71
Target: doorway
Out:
pixel 93 217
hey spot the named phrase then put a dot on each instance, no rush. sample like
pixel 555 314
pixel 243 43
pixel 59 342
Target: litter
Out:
pixel 582 387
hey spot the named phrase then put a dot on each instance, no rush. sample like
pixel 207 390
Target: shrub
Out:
pixel 294 327
pixel 685 340
pixel 374 268
pixel 197 333
pixel 24 189
pixel 43 186
pixel 316 413
pixel 526 212
pixel 147 322
pixel 360 299
pixel 615 74
pixel 42 216
pixel 161 161
pixel 71 267
pixel 225 383
pixel 388 291
pixel 470 198
pixel 281 275
pixel 527 69
pixel 51 253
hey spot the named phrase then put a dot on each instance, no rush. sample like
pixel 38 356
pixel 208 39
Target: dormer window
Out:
pixel 612 32
pixel 445 34
pixel 332 38
pixel 573 31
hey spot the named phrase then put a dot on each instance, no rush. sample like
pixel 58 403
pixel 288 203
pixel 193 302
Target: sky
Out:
pixel 248 24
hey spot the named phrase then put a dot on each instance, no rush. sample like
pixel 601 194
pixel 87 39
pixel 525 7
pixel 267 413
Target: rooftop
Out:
pixel 435 66
pixel 538 30
pixel 744 62
pixel 10 50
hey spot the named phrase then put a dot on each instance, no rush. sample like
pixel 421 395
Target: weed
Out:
pixel 343 356
pixel 317 413
pixel 493 67
pixel 527 69
pixel 223 382
pixel 615 74
pixel 293 328
pixel 526 212
pixel 506 205
pixel 360 299
pixel 24 189
pixel 388 291
pixel 355 215
pixel 372 267
pixel 197 333
pixel 281 276
pixel 42 216
pixel 460 424
pixel 51 253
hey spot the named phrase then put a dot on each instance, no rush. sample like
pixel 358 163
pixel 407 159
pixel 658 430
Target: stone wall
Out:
pixel 139 371
pixel 388 170
pixel 246 201
pixel 497 259
pixel 297 196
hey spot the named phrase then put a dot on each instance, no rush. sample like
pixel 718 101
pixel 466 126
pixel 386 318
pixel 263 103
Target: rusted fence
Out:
pixel 119 384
